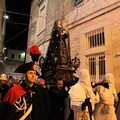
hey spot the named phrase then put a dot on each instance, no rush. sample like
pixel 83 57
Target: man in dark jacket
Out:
pixel 57 96
pixel 26 101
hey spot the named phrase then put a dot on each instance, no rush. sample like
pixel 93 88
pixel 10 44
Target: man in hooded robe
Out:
pixel 81 95
pixel 105 109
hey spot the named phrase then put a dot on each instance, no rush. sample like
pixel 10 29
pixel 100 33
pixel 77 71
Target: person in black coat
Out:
pixel 57 96
pixel 26 101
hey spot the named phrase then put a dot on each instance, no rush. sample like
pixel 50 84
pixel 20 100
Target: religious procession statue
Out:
pixel 57 63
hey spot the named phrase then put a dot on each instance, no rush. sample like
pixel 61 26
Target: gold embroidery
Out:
pixel 20 106
pixel 35 66
pixel 82 116
pixel 105 109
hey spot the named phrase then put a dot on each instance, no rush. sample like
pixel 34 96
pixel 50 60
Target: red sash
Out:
pixel 13 94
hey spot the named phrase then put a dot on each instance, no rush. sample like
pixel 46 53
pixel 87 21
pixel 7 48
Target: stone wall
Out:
pixel 87 16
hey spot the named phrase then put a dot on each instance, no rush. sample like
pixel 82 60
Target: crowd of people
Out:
pixel 26 100
pixel 5 84
pixel 34 99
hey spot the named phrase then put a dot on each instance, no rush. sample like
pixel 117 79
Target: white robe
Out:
pixel 106 98
pixel 78 93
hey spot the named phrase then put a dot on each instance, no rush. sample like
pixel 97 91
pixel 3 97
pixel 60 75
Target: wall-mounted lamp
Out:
pixel 6 16
pixel 5 58
pixel 4 49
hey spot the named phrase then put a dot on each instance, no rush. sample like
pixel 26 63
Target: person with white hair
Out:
pixel 3 78
pixel 41 82
pixel 105 109
pixel 81 97
pixel 3 86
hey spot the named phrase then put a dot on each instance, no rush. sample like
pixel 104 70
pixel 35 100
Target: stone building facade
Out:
pixel 94 28
pixel 2 33
pixel 14 59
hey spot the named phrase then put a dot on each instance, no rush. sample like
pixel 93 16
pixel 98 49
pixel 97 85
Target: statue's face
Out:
pixel 59 23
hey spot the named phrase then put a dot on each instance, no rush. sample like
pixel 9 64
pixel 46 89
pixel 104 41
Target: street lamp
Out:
pixel 5 58
pixel 6 16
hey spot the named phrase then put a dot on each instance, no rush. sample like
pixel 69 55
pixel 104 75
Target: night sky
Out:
pixel 17 24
